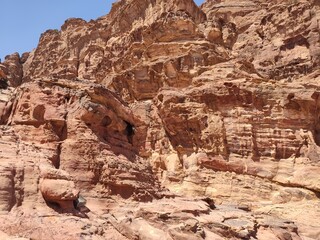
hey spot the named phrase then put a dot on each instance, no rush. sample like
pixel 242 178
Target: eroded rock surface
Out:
pixel 173 121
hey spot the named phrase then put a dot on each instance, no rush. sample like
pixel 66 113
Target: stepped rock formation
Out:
pixel 172 121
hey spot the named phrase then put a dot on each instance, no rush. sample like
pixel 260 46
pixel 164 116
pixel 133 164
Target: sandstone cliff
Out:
pixel 173 121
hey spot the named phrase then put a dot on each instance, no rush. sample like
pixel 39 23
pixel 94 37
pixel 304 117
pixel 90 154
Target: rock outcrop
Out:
pixel 173 121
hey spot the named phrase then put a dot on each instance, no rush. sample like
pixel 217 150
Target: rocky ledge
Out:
pixel 165 120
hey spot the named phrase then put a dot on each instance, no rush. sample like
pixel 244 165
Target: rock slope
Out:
pixel 173 121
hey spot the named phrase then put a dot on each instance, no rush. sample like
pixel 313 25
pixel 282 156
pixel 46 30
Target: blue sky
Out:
pixel 22 21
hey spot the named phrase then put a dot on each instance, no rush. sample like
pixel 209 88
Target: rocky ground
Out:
pixel 172 121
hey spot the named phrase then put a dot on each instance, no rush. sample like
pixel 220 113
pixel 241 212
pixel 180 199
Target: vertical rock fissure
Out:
pixel 57 163
pixel 62 134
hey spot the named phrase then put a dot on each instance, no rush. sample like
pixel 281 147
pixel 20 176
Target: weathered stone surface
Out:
pixel 194 219
pixel 12 67
pixel 58 190
pixel 160 99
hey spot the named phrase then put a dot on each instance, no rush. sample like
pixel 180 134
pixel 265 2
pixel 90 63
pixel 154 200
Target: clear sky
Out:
pixel 22 21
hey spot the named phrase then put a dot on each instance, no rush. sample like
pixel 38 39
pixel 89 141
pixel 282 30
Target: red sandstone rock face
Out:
pixel 161 99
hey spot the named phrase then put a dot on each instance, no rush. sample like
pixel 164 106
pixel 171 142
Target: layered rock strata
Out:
pixel 156 111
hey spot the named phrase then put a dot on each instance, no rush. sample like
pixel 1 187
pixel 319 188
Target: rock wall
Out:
pixel 160 99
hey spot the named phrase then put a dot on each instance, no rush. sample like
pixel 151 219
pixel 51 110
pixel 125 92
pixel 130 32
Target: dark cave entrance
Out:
pixel 129 131
pixel 3 83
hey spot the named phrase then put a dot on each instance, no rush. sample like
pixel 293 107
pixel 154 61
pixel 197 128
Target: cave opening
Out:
pixel 3 83
pixel 129 131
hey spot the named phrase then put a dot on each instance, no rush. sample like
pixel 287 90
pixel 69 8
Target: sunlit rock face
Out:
pixel 165 120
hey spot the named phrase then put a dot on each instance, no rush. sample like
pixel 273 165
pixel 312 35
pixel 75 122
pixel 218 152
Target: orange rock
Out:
pixel 159 99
